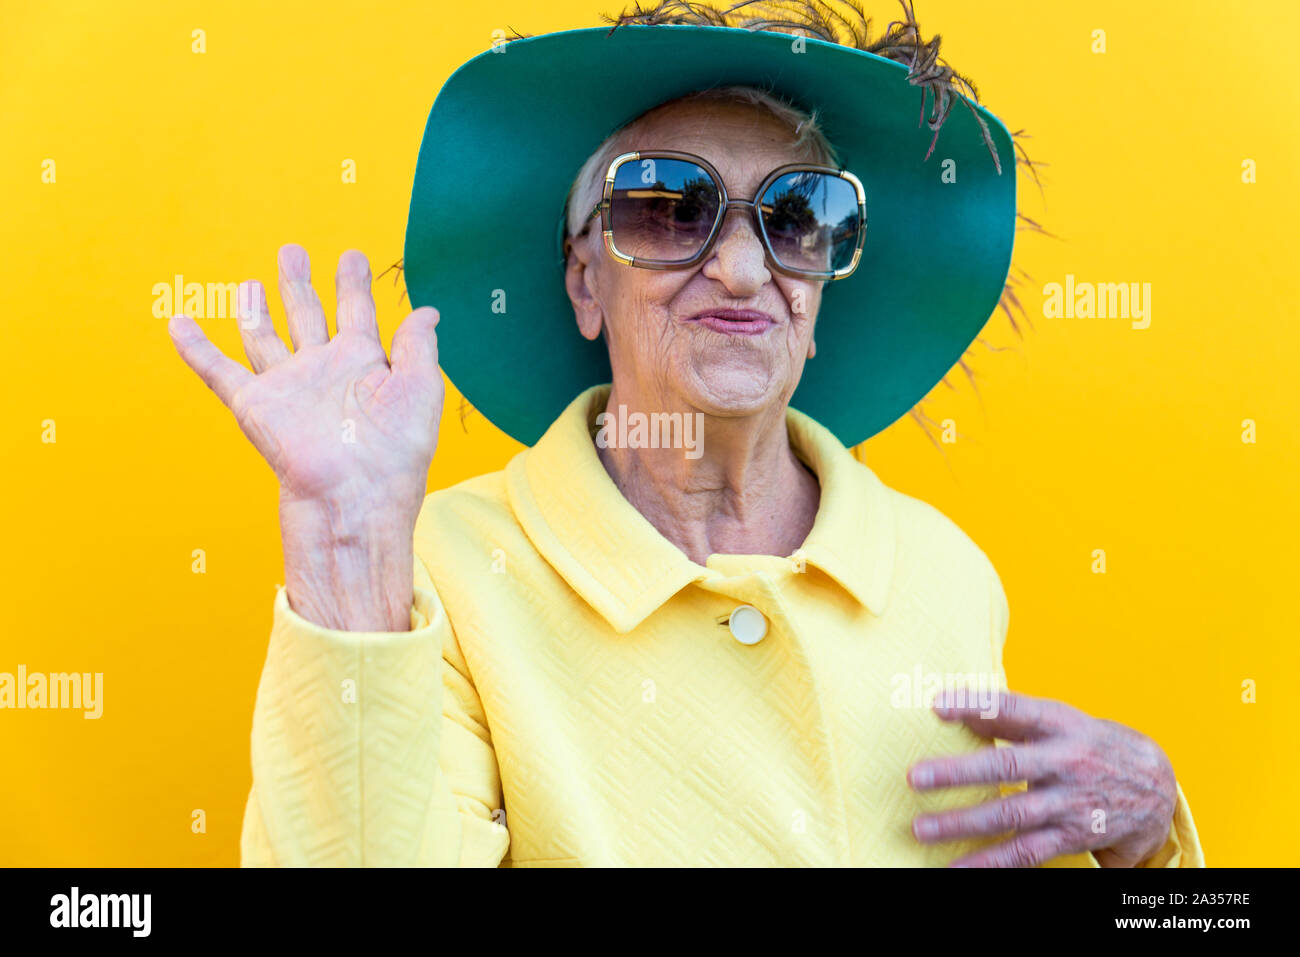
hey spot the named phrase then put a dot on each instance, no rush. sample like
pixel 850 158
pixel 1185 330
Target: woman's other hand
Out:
pixel 349 434
pixel 1094 785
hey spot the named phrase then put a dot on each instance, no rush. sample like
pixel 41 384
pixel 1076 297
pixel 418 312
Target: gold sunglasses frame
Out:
pixel 725 205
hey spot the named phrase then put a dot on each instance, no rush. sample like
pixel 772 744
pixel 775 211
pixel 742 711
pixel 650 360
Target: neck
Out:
pixel 740 490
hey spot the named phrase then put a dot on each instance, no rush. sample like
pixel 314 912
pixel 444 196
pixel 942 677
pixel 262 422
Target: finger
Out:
pixel 352 287
pixel 1027 811
pixel 985 766
pixel 1023 850
pixel 222 374
pixel 415 343
pixel 1015 717
pixel 307 325
pixel 261 344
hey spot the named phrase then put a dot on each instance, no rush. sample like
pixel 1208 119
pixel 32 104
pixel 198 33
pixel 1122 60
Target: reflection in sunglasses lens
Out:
pixel 662 209
pixel 811 221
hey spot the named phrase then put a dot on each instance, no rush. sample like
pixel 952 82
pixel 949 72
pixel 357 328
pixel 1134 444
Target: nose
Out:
pixel 739 261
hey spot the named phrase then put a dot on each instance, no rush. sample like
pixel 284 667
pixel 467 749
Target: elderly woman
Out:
pixel 675 629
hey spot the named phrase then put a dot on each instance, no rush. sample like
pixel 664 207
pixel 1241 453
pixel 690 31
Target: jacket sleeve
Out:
pixel 1181 849
pixel 371 748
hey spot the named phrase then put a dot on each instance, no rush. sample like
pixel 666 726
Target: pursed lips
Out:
pixel 745 322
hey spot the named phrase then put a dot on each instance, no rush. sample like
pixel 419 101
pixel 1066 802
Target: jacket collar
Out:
pixel 621 565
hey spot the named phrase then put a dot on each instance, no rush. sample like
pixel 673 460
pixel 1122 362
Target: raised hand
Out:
pixel 349 435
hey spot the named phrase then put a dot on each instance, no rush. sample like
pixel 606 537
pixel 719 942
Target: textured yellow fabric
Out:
pixel 570 693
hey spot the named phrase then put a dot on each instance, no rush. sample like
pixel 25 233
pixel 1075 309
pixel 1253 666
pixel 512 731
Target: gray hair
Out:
pixel 804 126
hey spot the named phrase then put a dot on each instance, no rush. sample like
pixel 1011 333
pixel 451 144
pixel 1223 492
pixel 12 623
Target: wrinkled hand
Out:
pixel 334 416
pixel 349 434
pixel 1076 766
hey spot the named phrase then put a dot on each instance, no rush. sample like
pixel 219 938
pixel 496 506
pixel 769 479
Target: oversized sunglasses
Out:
pixel 664 210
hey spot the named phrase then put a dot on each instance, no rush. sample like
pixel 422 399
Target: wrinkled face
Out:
pixel 667 347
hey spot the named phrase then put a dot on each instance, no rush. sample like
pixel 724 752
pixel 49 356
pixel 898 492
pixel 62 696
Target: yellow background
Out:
pixel 1087 434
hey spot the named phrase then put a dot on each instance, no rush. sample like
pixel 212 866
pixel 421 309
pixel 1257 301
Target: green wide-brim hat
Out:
pixel 510 129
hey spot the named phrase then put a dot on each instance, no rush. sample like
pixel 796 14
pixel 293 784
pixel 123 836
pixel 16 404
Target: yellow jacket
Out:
pixel 572 693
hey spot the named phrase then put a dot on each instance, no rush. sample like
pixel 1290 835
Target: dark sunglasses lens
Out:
pixel 662 209
pixel 811 220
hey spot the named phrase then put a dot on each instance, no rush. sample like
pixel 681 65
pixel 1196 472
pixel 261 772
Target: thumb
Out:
pixel 415 344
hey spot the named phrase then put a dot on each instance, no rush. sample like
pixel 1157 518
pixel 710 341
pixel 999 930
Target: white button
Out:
pixel 747 624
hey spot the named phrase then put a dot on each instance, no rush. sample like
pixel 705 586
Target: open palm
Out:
pixel 335 419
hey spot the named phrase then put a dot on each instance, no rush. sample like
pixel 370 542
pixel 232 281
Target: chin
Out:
pixel 734 395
